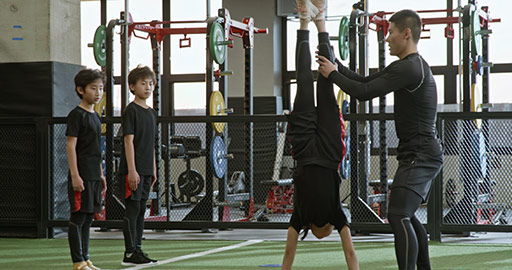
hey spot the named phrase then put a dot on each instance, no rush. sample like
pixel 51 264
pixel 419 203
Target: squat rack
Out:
pixel 156 33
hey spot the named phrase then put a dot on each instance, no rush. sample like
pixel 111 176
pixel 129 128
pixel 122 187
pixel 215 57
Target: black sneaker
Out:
pixel 135 258
pixel 145 256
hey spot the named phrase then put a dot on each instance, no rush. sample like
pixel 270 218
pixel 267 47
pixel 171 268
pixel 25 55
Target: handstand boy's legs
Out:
pixel 329 123
pixel 304 99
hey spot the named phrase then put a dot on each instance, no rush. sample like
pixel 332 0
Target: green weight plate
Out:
pixel 343 38
pixel 217 48
pixel 99 46
pixel 476 37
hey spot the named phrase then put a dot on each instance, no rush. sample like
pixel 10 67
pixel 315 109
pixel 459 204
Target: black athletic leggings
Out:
pixel 327 109
pixel 411 240
pixel 133 224
pixel 78 236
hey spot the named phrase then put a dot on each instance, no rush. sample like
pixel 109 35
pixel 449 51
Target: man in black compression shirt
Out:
pixel 419 152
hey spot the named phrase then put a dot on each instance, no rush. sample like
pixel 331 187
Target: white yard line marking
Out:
pixel 195 255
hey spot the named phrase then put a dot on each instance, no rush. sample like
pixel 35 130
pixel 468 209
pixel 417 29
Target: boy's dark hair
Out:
pixel 408 19
pixel 138 73
pixel 87 76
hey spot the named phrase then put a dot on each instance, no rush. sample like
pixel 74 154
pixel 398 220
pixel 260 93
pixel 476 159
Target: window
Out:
pixel 499 40
pixel 191 59
pixel 433 49
pixel 499 88
pixel 140 49
pixel 190 96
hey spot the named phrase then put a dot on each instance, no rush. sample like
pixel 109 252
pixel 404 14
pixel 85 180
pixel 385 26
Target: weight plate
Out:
pixel 344 107
pixel 345 162
pixel 476 37
pixel 478 65
pixel 99 107
pixel 476 103
pixel 218 157
pixel 99 46
pixel 343 45
pixel 339 98
pixel 190 183
pixel 217 107
pixel 218 50
pixel 342 100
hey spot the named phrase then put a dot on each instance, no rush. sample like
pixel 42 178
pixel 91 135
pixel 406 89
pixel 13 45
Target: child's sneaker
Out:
pixel 135 258
pixel 81 266
pixel 89 263
pixel 145 256
pixel 307 10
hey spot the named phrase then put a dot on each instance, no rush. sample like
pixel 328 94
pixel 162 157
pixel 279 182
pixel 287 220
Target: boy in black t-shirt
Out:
pixel 138 165
pixel 86 180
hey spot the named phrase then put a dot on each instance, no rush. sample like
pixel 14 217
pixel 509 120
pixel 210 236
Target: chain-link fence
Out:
pixel 476 173
pixel 244 172
pixel 371 170
pixel 236 181
pixel 19 171
pixel 372 151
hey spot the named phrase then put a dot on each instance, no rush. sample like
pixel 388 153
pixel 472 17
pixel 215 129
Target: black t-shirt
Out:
pixel 314 143
pixel 316 198
pixel 86 126
pixel 415 92
pixel 140 122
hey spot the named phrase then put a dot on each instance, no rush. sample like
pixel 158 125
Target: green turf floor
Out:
pixel 54 254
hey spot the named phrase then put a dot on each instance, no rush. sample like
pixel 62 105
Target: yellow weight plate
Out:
pixel 339 99
pixel 217 107
pixel 342 100
pixel 99 107
pixel 476 103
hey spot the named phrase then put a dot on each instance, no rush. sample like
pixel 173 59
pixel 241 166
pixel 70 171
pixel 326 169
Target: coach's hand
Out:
pixel 325 66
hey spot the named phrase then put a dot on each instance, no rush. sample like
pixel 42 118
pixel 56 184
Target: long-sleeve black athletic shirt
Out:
pixel 414 89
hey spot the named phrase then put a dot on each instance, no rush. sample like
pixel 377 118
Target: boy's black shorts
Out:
pixel 87 201
pixel 142 191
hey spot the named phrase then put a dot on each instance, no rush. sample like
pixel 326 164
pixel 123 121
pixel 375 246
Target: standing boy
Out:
pixel 138 165
pixel 86 180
